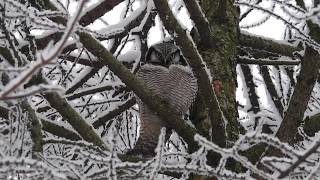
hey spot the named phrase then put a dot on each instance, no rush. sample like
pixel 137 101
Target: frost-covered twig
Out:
pixel 28 168
pixel 301 159
pixel 93 90
pixel 232 152
pixel 306 38
pixel 52 55
pixel 159 150
pixel 32 91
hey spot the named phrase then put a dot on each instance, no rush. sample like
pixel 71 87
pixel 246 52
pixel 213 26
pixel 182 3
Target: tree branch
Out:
pixel 98 11
pixel 267 45
pixel 301 95
pixel 59 131
pixel 201 23
pixel 263 62
pixel 88 91
pixel 112 114
pixel 34 126
pixel 195 61
pixel 74 119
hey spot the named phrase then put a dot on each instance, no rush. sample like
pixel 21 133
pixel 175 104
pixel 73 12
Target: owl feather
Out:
pixel 177 86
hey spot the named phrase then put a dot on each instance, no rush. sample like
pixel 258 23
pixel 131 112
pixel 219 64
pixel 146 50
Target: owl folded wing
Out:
pixel 182 88
pixel 154 77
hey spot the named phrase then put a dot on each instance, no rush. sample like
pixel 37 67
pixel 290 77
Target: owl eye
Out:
pixel 158 54
pixel 175 58
pixel 155 57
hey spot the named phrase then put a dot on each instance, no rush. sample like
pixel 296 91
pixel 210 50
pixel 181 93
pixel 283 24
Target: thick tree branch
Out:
pixel 253 97
pixel 59 131
pixel 301 95
pixel 220 59
pixel 74 119
pixel 201 23
pixel 195 61
pixel 99 10
pixel 272 89
pixel 255 42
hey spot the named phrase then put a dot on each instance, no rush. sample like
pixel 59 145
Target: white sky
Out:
pixel 273 28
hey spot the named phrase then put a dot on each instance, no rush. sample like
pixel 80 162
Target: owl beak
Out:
pixel 165 61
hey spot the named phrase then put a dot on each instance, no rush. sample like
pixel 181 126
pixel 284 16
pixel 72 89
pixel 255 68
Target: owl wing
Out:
pixel 154 77
pixel 182 88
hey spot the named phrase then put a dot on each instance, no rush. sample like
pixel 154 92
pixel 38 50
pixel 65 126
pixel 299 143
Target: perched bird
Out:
pixel 168 76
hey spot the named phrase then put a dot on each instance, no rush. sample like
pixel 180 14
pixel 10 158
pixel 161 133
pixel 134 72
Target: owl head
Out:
pixel 164 54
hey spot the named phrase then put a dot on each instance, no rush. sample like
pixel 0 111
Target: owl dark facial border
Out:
pixel 165 54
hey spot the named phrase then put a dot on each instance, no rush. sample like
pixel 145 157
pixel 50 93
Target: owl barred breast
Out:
pixel 167 75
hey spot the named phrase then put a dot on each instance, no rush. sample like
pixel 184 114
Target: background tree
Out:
pixel 67 106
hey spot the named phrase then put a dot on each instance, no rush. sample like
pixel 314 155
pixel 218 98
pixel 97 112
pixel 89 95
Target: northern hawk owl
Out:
pixel 167 75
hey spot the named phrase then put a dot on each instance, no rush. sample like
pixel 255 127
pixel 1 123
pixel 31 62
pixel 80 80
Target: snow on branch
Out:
pixel 50 56
pixel 262 62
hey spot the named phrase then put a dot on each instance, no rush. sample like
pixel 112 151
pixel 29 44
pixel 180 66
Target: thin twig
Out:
pixel 14 84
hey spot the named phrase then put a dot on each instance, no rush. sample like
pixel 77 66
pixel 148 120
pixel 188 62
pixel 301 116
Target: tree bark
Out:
pixel 301 95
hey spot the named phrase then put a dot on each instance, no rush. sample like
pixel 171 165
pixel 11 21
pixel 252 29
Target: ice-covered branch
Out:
pixel 50 57
pixel 263 62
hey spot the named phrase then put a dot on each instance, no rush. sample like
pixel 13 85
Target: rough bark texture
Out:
pixel 59 131
pixel 267 45
pixel 223 20
pixel 301 95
